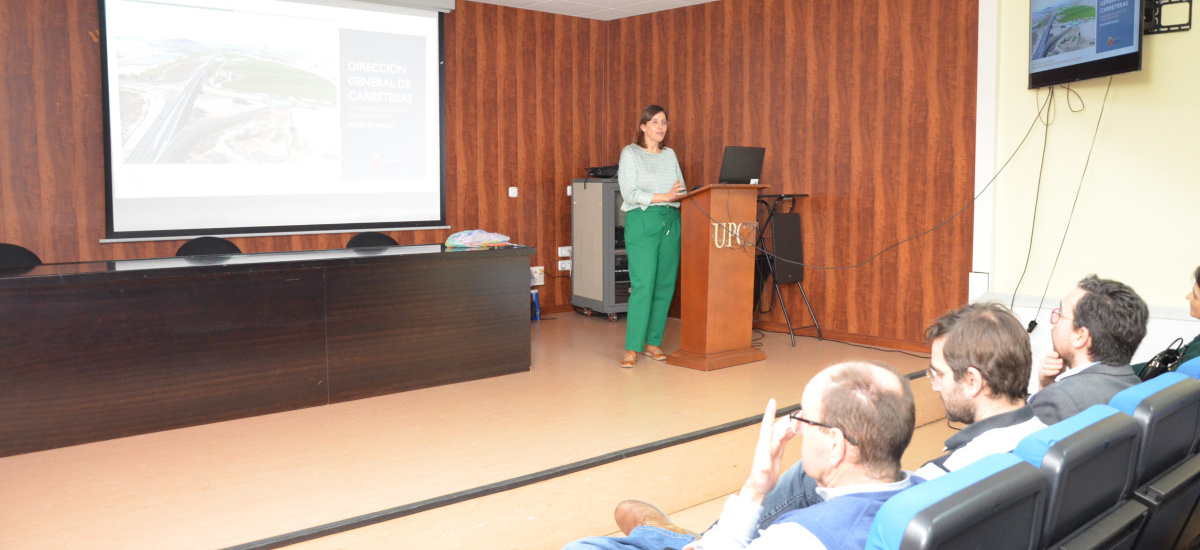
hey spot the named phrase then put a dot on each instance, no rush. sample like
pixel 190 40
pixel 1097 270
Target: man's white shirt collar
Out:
pixel 830 493
pixel 1073 371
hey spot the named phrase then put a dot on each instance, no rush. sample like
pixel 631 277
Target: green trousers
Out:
pixel 652 245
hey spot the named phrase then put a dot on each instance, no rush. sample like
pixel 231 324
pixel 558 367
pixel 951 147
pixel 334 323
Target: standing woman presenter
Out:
pixel 651 186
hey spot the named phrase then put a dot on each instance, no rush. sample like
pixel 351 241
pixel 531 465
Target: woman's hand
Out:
pixel 678 191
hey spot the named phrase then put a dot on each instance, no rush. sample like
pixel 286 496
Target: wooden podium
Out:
pixel 716 270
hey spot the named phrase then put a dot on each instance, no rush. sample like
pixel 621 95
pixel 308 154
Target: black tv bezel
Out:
pixel 111 234
pixel 1088 70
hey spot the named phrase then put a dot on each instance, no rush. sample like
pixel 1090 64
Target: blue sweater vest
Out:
pixel 841 523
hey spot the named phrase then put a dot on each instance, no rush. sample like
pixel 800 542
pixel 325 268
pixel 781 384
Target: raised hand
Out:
pixel 773 437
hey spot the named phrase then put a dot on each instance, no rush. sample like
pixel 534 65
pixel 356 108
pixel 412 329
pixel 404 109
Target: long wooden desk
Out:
pixel 100 350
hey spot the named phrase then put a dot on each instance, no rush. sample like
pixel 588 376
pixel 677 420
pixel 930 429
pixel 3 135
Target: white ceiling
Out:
pixel 605 10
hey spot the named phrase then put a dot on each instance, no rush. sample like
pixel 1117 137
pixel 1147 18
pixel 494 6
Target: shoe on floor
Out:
pixel 655 353
pixel 632 514
pixel 629 359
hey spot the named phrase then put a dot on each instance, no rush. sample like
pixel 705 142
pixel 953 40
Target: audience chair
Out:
pixel 208 246
pixel 371 239
pixel 1190 538
pixel 1116 529
pixel 1190 368
pixel 1168 475
pixel 1088 461
pixel 1167 408
pixel 1171 499
pixel 996 503
pixel 12 255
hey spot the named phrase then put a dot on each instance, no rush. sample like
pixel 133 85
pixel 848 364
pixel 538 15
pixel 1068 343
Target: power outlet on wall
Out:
pixel 564 265
pixel 564 252
pixel 537 276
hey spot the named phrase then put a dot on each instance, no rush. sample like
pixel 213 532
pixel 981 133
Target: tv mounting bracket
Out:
pixel 1152 17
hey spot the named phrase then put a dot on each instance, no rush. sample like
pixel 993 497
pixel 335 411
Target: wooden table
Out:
pixel 100 350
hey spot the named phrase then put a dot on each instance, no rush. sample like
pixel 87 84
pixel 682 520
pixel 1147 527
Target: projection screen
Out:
pixel 230 117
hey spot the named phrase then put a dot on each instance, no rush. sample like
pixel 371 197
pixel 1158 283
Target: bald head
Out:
pixel 873 404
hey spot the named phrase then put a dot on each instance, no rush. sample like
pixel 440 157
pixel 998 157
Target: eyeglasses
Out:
pixel 663 123
pixel 932 373
pixel 796 416
pixel 1056 314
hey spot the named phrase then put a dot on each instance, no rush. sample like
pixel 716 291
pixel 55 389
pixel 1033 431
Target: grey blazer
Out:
pixel 1071 395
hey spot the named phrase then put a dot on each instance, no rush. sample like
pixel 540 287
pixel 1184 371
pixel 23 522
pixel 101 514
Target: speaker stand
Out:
pixel 772 207
pixel 786 317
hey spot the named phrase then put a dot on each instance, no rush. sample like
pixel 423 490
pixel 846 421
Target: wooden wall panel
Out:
pixel 525 93
pixel 868 107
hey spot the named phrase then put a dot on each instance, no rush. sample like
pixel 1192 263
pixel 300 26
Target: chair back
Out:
pixel 995 503
pixel 1088 461
pixel 12 255
pixel 371 239
pixel 1167 408
pixel 207 246
pixel 1190 368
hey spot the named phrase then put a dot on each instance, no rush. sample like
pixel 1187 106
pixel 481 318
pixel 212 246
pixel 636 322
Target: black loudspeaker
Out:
pixel 787 247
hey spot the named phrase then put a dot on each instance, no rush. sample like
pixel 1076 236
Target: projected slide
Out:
pixel 271 113
pixel 1077 31
pixel 382 106
pixel 203 100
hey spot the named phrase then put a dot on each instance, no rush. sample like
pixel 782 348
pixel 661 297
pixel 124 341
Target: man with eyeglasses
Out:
pixel 856 421
pixel 1095 331
pixel 980 360
pixel 979 365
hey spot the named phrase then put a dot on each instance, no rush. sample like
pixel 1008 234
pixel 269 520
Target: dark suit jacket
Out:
pixel 1071 395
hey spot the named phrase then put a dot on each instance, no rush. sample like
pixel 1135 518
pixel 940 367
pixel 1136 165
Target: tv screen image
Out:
pixel 1072 40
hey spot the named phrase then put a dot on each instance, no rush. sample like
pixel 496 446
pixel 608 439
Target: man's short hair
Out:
pixel 1115 317
pixel 991 339
pixel 879 417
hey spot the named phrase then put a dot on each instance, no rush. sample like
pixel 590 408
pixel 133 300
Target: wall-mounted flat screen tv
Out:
pixel 1073 40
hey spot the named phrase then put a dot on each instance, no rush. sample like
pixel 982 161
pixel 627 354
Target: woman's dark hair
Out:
pixel 649 113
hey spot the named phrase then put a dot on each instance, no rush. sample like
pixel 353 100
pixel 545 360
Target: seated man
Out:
pixel 856 421
pixel 1105 323
pixel 979 365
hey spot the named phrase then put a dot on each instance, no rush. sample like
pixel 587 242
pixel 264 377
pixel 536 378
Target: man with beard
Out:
pixel 979 365
pixel 1096 329
pixel 980 362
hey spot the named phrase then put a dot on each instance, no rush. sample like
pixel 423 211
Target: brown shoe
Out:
pixel 655 353
pixel 629 359
pixel 632 514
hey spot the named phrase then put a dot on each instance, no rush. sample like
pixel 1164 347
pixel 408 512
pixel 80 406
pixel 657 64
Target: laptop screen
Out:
pixel 742 164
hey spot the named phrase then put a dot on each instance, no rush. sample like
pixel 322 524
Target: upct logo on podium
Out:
pixel 733 234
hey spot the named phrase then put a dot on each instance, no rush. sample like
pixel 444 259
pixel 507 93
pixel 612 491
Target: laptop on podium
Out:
pixel 741 164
